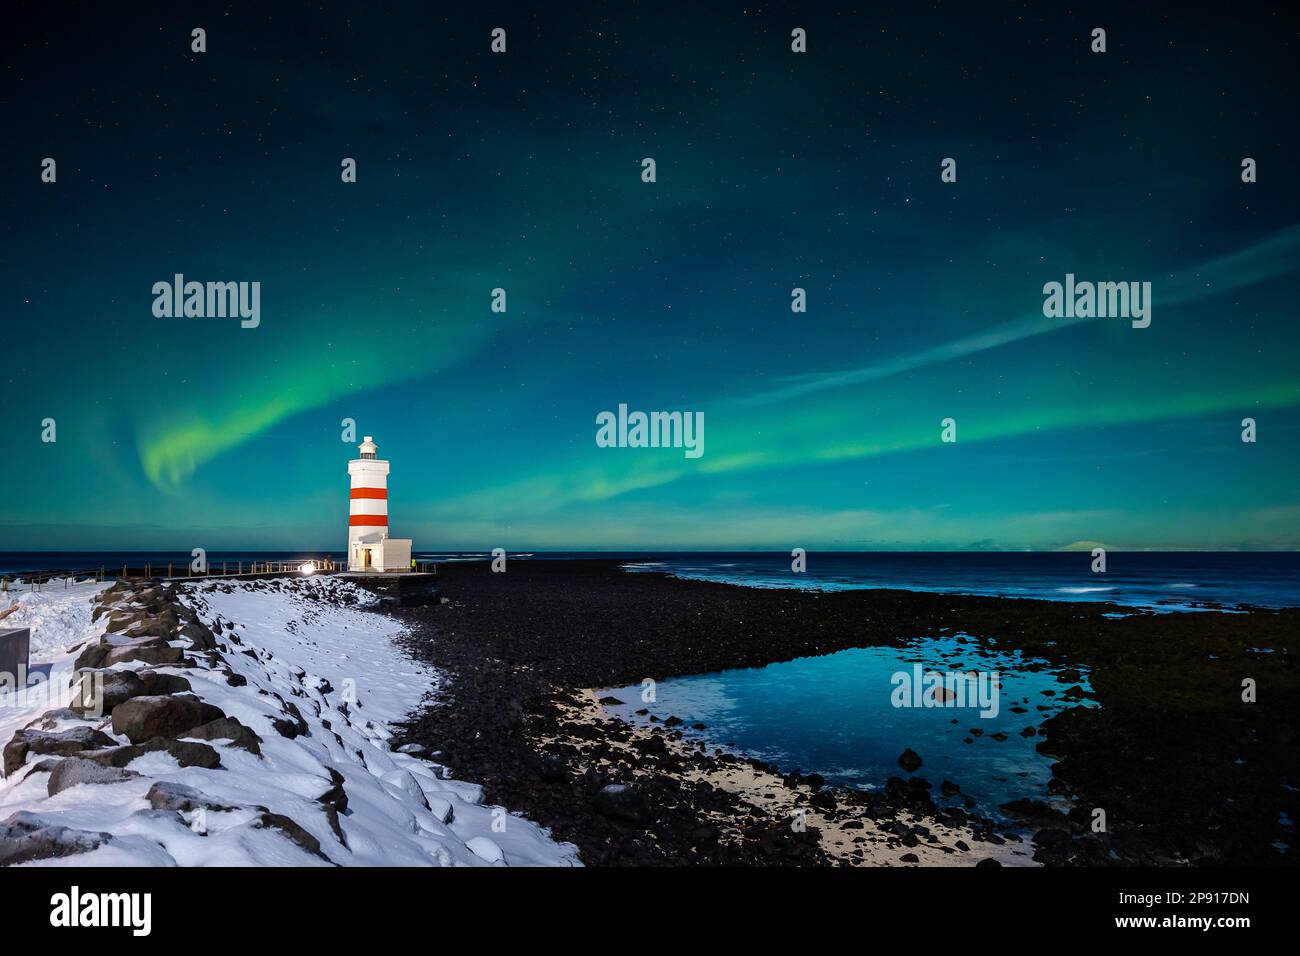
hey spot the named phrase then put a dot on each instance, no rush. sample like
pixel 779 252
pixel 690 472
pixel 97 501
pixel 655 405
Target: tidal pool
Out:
pixel 839 715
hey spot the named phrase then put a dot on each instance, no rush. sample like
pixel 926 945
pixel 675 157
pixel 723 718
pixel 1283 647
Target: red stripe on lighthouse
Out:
pixel 379 521
pixel 370 493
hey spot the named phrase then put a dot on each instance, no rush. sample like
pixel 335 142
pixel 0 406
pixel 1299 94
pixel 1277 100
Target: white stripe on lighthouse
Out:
pixel 368 506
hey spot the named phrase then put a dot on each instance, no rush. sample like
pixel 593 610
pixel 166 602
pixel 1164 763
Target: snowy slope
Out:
pixel 308 645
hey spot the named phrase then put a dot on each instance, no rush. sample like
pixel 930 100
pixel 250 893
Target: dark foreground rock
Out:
pixel 227 728
pixel 25 837
pixel 187 753
pixel 99 693
pixel 142 718
pixel 51 742
pixel 75 771
pixel 165 795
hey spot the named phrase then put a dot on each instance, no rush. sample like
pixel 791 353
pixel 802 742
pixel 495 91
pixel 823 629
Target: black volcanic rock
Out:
pixel 1166 742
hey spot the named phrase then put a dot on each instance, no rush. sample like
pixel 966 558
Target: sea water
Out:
pixel 1162 581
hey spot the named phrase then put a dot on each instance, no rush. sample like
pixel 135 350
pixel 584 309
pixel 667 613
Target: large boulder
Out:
pixel 187 753
pixel 92 656
pixel 152 651
pixel 25 837
pixel 143 718
pixel 174 796
pixel 227 728
pixel 93 697
pixel 73 771
pixel 120 621
pixel 116 588
pixel 119 686
pixel 156 683
pixel 151 626
pixel 60 743
pixel 200 636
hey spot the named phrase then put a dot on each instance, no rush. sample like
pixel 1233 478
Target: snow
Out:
pixel 339 666
pixel 59 618
pixel 58 615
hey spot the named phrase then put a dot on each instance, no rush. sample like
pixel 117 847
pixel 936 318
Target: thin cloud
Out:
pixel 1277 255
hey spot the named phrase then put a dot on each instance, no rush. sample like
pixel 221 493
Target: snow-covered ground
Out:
pixel 287 642
pixel 58 616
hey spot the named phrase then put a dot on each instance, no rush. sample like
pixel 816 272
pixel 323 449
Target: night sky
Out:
pixel 775 170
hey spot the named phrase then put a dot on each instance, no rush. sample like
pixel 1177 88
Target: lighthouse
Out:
pixel 369 546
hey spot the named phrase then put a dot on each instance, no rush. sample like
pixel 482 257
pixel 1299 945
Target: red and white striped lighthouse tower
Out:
pixel 369 547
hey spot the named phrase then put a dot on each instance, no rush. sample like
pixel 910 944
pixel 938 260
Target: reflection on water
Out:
pixel 836 715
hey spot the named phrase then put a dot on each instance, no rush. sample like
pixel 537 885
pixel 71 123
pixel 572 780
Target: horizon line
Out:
pixel 643 550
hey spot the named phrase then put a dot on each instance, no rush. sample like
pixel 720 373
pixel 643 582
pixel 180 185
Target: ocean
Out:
pixel 1167 581
pixel 1157 580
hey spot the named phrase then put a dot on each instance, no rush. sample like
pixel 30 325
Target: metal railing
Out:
pixel 36 580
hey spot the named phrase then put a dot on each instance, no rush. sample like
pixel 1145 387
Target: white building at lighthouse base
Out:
pixel 378 552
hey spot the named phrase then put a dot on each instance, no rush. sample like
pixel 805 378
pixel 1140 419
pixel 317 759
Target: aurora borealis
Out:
pixel 775 170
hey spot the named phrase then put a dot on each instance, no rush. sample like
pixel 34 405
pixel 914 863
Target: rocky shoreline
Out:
pixel 1186 772
pixel 235 723
pixel 739 801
